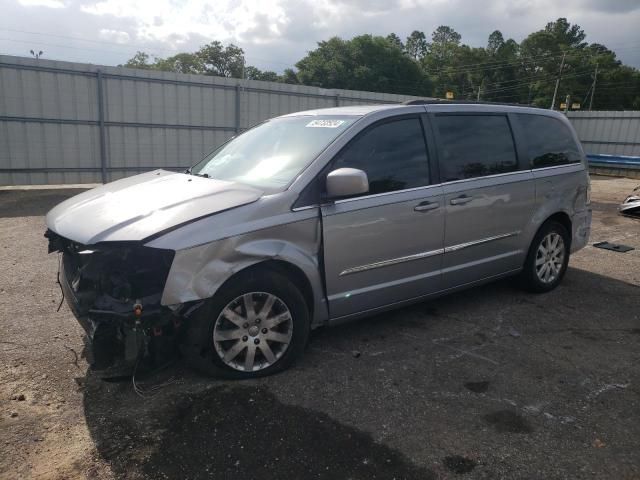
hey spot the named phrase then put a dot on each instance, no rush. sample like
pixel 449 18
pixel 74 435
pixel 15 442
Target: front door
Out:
pixel 489 197
pixel 385 246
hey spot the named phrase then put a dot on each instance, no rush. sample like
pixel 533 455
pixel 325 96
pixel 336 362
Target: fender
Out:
pixel 198 272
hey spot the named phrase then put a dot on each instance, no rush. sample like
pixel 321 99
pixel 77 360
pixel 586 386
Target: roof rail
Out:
pixel 466 102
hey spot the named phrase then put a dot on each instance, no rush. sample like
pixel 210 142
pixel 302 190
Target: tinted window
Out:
pixel 549 141
pixel 474 146
pixel 393 155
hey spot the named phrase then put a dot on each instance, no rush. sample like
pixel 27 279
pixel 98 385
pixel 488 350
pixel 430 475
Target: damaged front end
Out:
pixel 114 290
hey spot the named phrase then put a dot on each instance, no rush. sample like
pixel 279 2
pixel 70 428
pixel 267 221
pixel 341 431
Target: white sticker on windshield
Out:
pixel 325 123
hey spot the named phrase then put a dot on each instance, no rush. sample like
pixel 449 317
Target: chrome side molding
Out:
pixel 392 261
pixel 421 255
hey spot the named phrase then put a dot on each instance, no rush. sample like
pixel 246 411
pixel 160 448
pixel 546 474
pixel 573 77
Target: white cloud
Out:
pixel 42 3
pixel 226 19
pixel 116 36
pixel 277 33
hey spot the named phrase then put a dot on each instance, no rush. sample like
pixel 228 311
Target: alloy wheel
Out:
pixel 253 331
pixel 550 258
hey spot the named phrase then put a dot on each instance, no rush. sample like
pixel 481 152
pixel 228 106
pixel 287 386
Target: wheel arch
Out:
pixel 538 223
pixel 285 268
pixel 563 219
pixel 199 273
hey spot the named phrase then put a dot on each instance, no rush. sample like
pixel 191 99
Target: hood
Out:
pixel 138 207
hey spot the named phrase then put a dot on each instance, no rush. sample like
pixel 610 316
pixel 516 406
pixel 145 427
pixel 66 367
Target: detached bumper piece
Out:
pixel 114 290
pixel 631 206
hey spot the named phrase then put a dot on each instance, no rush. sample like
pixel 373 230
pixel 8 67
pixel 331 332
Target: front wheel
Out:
pixel 547 259
pixel 256 325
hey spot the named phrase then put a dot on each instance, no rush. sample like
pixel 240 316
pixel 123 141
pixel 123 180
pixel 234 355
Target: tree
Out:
pixel 254 73
pixel 444 42
pixel 394 39
pixel 221 61
pixel 180 63
pixel 362 63
pixel 566 34
pixel 542 53
pixel 289 76
pixel 139 60
pixel 416 45
pixel 504 70
pixel 496 41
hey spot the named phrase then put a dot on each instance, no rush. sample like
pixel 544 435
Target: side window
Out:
pixel 549 141
pixel 475 146
pixel 393 155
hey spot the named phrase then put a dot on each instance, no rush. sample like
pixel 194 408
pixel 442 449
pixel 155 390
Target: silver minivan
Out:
pixel 314 218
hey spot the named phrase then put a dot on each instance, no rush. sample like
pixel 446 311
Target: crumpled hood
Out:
pixel 137 207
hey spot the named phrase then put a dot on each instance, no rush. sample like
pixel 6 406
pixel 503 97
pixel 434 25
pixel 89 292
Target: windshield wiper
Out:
pixel 189 172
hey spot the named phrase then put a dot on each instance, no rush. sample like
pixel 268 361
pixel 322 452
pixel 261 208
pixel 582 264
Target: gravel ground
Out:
pixel 487 383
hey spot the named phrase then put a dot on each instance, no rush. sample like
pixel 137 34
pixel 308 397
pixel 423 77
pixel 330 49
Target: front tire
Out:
pixel 548 258
pixel 256 325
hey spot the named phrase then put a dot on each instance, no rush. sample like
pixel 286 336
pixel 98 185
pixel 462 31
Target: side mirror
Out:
pixel 345 182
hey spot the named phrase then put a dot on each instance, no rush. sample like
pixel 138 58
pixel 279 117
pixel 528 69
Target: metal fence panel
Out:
pixel 608 132
pixel 64 122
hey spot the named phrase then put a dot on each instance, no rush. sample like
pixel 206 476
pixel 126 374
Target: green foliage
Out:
pixel 394 40
pixel 416 45
pixel 221 61
pixel 181 63
pixel 503 71
pixel 362 63
pixel 139 60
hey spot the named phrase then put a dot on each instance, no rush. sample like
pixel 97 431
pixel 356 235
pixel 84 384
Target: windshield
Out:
pixel 272 154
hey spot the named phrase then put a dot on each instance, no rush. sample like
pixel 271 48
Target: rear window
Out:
pixel 549 141
pixel 475 146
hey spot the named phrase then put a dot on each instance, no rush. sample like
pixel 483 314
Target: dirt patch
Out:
pixel 477 387
pixel 235 432
pixel 459 464
pixel 508 421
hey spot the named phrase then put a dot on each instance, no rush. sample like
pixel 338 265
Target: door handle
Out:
pixel 425 206
pixel 461 200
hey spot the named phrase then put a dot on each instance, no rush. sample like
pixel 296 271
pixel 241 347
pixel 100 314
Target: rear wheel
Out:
pixel 256 325
pixel 547 259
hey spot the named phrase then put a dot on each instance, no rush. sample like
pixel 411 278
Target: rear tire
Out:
pixel 256 325
pixel 548 257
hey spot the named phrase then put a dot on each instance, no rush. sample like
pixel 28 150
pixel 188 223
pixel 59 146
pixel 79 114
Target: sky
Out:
pixel 276 33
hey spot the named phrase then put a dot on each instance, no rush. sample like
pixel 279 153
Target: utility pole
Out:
pixel 566 103
pixel 479 88
pixel 593 87
pixel 555 91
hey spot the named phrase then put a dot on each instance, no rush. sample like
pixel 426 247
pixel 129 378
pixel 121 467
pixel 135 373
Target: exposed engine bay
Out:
pixel 114 290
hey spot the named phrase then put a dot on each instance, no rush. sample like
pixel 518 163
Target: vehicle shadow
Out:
pixel 32 203
pixel 367 381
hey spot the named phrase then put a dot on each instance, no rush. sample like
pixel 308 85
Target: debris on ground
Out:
pixel 631 205
pixel 514 333
pixel 614 247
